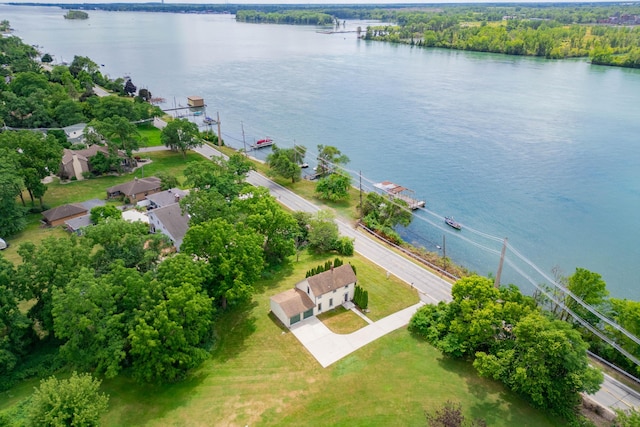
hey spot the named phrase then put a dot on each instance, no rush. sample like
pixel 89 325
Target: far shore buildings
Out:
pixel 314 295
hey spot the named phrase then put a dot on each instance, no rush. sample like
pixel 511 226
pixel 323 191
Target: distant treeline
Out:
pixel 608 33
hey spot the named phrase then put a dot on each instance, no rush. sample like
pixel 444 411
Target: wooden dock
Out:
pixel 396 191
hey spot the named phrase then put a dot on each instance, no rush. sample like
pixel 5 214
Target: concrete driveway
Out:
pixel 328 347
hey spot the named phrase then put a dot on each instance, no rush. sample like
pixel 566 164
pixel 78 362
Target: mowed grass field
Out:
pixel 259 374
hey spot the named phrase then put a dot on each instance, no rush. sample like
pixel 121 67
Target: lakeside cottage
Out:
pixel 314 295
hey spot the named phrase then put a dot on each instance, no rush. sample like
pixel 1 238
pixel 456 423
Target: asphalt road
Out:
pixel 612 394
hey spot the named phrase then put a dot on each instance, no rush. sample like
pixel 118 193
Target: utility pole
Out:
pixel 444 252
pixel 496 283
pixel 243 140
pixel 218 121
pixel 360 173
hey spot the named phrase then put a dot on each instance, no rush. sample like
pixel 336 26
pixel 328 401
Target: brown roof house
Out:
pixel 314 295
pixel 75 163
pixel 170 221
pixel 135 190
pixel 60 214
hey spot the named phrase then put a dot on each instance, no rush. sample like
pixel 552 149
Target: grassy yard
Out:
pixel 259 374
pixel 341 320
pixel 149 135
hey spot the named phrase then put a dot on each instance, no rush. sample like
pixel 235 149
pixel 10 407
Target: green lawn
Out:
pixel 259 374
pixel 341 320
pixel 149 135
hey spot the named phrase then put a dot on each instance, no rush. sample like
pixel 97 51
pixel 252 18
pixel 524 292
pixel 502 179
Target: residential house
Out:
pixel 165 198
pixel 75 163
pixel 76 224
pixel 75 133
pixel 60 214
pixel 315 295
pixel 170 221
pixel 135 190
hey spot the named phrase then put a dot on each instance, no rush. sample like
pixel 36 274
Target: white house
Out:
pixel 170 221
pixel 315 295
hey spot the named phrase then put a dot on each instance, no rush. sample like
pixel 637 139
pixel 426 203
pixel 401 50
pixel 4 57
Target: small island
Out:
pixel 76 14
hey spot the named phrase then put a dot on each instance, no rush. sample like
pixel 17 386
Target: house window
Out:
pixel 330 302
pixel 346 297
pixel 334 291
pixel 346 286
pixel 307 290
pixel 320 307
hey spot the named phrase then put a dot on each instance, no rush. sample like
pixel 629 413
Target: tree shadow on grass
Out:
pixel 233 328
pixel 273 275
pixel 139 404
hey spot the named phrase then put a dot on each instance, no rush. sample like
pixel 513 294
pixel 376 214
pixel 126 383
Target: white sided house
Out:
pixel 315 295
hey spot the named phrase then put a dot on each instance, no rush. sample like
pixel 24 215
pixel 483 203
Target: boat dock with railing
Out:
pixel 396 191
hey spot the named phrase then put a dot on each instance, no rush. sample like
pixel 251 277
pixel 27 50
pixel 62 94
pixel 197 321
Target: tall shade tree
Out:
pixel 12 215
pixel 225 177
pixel 14 325
pixel 547 363
pixel 334 187
pixel 76 401
pixel 590 288
pixel 90 323
pixel 323 232
pixel 283 162
pixel 181 135
pixel 119 131
pixel 329 158
pixel 233 256
pixel 129 242
pixel 383 212
pixel 173 324
pixel 51 265
pixel 39 156
pixel 265 215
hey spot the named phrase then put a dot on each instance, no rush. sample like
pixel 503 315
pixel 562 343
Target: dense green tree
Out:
pixel 167 180
pixel 181 135
pixel 119 131
pixel 92 326
pixel 14 325
pixel 129 88
pixel 547 362
pixel 265 215
pixel 51 265
pixel 39 157
pixel 590 288
pixel 102 213
pixel 83 63
pixel 450 415
pixel 334 187
pixel 69 112
pixel 216 175
pixel 329 158
pixel 233 255
pixel 129 242
pixel 283 162
pixel 76 401
pixel 323 232
pixel 12 215
pixel 174 323
pixel 383 212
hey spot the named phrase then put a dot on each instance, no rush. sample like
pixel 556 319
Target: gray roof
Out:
pixel 167 197
pixel 75 224
pixel 173 220
pixel 64 211
pixel 90 204
pixel 293 301
pixel 331 280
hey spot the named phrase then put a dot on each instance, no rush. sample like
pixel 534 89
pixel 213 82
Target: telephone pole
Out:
pixel 243 140
pixel 496 283
pixel 219 134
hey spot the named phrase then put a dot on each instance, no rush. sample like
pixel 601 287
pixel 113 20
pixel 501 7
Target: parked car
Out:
pixel 3 244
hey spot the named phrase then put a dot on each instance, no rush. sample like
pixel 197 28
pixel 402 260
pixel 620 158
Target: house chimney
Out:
pixel 177 197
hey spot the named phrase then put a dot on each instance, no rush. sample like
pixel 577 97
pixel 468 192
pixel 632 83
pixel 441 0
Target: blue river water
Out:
pixel 545 153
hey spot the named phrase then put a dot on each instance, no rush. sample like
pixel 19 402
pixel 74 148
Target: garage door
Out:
pixel 307 313
pixel 294 319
